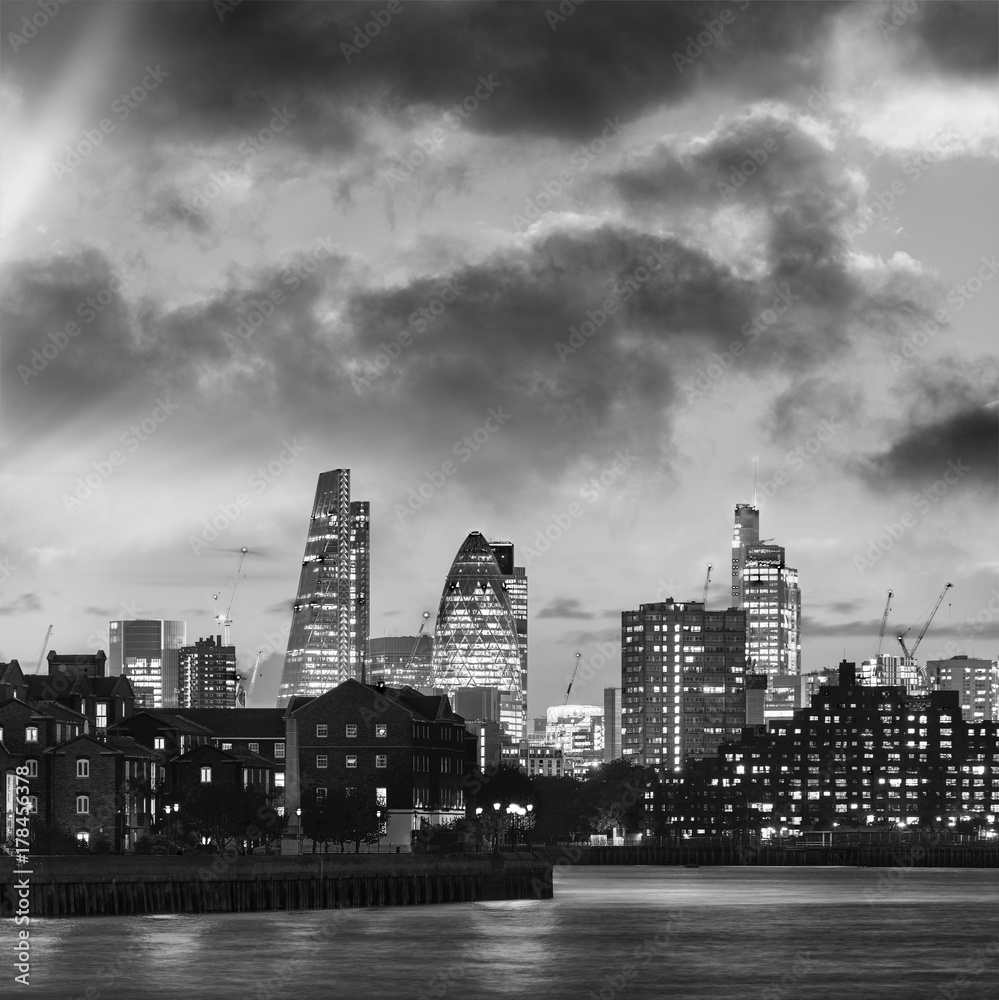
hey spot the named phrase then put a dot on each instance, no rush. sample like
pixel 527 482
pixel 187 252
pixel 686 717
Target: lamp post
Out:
pixel 166 809
pixel 497 816
pixel 478 827
pixel 298 818
pixel 176 813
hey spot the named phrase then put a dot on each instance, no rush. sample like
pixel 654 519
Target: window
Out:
pixel 322 730
pixel 206 775
pixel 83 804
pixel 159 743
pixel 32 803
pixel 279 779
pixel 351 760
pixel 83 768
pixel 351 730
pixel 31 734
pixel 226 746
pixel 381 729
pixel 381 760
pixel 279 751
pixel 320 794
pixel 32 766
pixel 254 748
pixel 102 715
pixel 1 734
pixel 322 760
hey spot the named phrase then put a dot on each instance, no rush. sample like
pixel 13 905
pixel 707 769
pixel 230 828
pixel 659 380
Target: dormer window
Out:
pixel 31 734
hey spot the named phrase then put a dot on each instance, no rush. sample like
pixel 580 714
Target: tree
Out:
pixel 223 812
pixel 322 818
pixel 362 820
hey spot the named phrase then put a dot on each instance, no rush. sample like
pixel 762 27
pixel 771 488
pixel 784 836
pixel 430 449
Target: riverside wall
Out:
pixel 106 886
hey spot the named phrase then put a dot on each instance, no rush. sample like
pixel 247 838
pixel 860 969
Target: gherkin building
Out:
pixel 475 643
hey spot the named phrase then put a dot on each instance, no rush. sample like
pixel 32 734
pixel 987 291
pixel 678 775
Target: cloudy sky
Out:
pixel 523 272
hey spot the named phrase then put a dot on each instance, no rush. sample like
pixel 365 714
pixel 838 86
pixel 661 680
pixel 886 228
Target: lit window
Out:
pixel 159 743
pixel 322 760
pixel 351 730
pixel 381 729
pixel 206 775
pixel 32 803
pixel 31 734
pixel 226 746
pixel 279 779
pixel 321 730
pixel 83 768
pixel 254 748
pixel 381 760
pixel 83 803
pixel 351 760
pixel 279 750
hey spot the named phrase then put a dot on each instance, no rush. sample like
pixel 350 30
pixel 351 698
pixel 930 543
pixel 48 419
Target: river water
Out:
pixel 689 934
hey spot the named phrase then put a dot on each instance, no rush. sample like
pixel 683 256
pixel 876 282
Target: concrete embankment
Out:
pixel 104 886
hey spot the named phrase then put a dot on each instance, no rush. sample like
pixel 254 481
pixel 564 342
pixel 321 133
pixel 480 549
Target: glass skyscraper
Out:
pixel 146 651
pixel 476 641
pixel 515 580
pixel 329 625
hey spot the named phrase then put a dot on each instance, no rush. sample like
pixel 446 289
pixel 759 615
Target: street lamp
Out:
pixel 298 819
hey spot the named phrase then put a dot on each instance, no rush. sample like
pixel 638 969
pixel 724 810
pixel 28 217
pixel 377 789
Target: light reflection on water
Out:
pixel 704 934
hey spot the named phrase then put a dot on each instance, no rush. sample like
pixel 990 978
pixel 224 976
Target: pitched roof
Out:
pixel 239 723
pixel 60 712
pixel 168 719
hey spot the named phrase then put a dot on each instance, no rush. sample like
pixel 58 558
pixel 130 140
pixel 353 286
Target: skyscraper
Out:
pixel 207 674
pixel 515 579
pixel 476 642
pixel 767 589
pixel 682 681
pixel 329 625
pixel 399 661
pixel 612 724
pixel 146 651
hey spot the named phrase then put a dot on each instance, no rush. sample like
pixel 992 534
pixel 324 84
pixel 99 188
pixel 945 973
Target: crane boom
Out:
pixel 223 617
pixel 565 700
pixel 707 583
pixel 884 623
pixel 41 655
pixel 910 653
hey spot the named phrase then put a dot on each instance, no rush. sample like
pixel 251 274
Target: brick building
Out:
pixel 407 749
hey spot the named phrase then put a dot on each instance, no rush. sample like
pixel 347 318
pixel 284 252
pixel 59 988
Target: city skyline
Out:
pixel 573 310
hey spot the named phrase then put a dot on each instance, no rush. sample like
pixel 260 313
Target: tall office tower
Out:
pixel 207 674
pixel 329 627
pixel 476 642
pixel 766 588
pixel 401 661
pixel 682 681
pixel 976 682
pixel 515 578
pixel 612 724
pixel 146 651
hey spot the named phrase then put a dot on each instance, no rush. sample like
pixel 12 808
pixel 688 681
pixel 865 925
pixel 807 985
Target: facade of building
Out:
pixel 401 661
pixel 858 755
pixel 578 731
pixel 892 671
pixel 407 749
pixel 612 724
pixel 682 681
pixel 329 627
pixel 766 588
pixel 515 579
pixel 146 651
pixel 975 681
pixel 207 674
pixel 476 642
pixel 545 762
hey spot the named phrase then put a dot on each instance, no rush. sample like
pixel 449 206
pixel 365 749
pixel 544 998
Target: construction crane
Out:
pixel 884 623
pixel 565 700
pixel 911 653
pixel 222 618
pixel 419 636
pixel 707 583
pixel 41 655
pixel 244 689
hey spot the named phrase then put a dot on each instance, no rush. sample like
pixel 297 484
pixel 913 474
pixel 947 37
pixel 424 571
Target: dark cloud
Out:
pixel 858 627
pixel 21 604
pixel 604 60
pixel 564 607
pixel 843 607
pixel 959 37
pixel 108 613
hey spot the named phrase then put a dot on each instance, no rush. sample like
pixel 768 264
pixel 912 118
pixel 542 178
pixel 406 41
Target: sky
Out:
pixel 574 276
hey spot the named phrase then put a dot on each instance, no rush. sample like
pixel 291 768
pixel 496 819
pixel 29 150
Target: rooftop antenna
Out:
pixel 754 483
